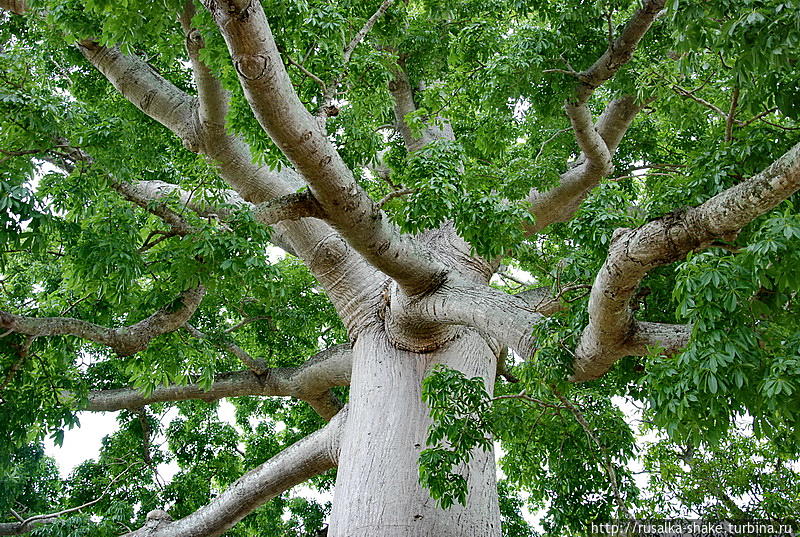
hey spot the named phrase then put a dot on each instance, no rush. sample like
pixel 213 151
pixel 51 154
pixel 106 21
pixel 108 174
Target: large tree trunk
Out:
pixel 377 489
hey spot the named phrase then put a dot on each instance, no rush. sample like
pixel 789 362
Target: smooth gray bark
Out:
pixel 268 89
pixel 377 492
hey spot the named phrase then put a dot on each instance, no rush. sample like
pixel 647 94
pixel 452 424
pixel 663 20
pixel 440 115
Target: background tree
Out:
pixel 498 216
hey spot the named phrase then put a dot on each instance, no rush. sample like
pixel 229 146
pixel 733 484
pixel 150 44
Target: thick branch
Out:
pixel 507 318
pixel 561 202
pixel 18 7
pixel 146 192
pixel 403 97
pixel 299 462
pixel 310 382
pixel 124 341
pixel 592 144
pixel 297 133
pixel 289 207
pixel 213 98
pixel 620 51
pixel 148 91
pixel 612 332
pixel 327 256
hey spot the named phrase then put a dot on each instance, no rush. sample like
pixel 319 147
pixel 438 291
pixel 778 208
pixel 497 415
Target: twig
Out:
pixel 569 288
pixel 729 120
pixel 759 116
pixel 686 93
pixel 306 72
pixel 553 137
pixel 329 90
pixel 362 33
pixel 63 512
pixel 529 399
pixel 396 194
pixel 778 126
pixel 256 366
pixel 612 475
pixel 576 74
pixel 69 308
pixel 246 321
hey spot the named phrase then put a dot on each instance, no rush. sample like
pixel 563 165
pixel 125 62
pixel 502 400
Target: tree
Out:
pixel 497 216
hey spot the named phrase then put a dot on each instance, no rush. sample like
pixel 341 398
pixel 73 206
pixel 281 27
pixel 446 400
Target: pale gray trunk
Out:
pixel 378 493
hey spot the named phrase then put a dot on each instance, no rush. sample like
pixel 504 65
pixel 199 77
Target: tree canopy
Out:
pixel 177 228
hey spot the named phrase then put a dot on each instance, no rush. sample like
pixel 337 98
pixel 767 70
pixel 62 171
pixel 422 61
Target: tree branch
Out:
pixel 299 462
pixel 212 97
pixel 289 207
pixel 31 523
pixel 560 203
pixel 310 382
pixel 507 318
pixel 620 51
pixel 18 7
pixel 296 132
pixel 608 467
pixel 592 144
pixel 403 97
pixel 340 270
pixel 327 108
pixel 612 332
pixel 148 91
pixel 362 33
pixel 125 340
pixel 256 366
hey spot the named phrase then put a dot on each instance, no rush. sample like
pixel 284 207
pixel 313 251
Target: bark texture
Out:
pixel 268 89
pixel 377 487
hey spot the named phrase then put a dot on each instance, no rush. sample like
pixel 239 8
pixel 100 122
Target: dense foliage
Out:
pixel 723 80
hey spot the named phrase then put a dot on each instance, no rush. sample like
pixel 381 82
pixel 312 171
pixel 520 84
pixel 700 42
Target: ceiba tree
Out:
pixel 497 215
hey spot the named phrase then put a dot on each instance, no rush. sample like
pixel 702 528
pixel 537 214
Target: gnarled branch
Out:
pixel 612 332
pixel 310 382
pixel 289 207
pixel 125 340
pixel 560 203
